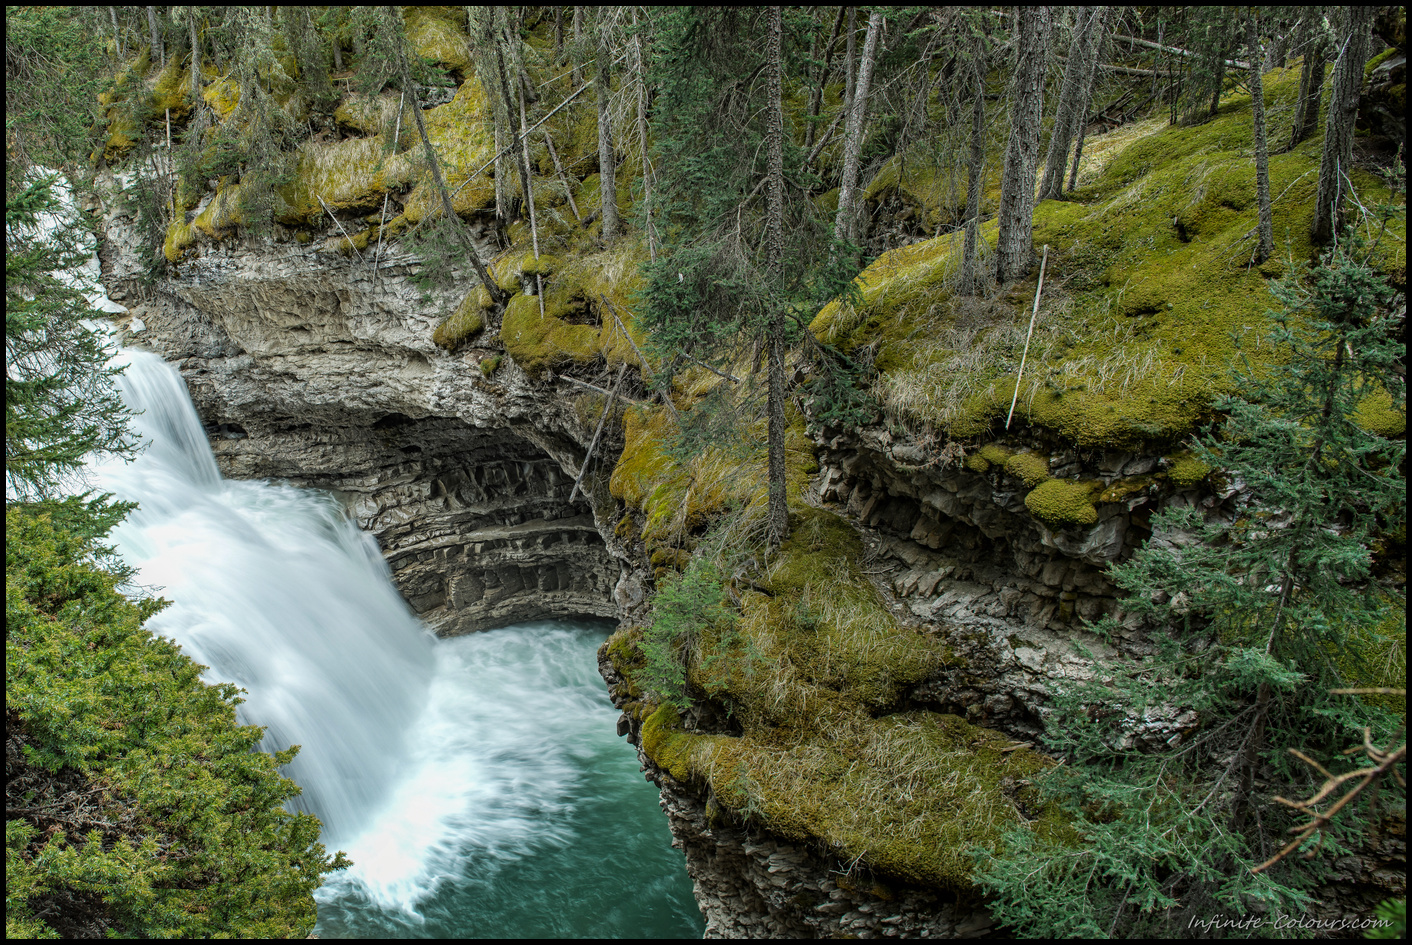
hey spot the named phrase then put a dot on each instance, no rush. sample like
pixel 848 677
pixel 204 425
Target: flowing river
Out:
pixel 476 782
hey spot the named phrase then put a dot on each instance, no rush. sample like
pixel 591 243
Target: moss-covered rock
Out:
pixel 1185 471
pixel 1060 503
pixel 438 34
pixel 222 95
pixel 461 325
pixel 541 343
pixel 1030 468
pixel 1378 415
pixel 1154 256
pixel 181 236
pixel 222 215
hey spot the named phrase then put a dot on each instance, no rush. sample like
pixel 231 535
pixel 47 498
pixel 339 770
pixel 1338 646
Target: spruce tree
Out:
pixel 1258 615
pixel 60 402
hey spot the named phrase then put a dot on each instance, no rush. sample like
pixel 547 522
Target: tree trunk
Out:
pixel 578 46
pixel 1068 114
pixel 522 156
pixel 607 162
pixel 1262 155
pixel 1100 36
pixel 159 55
pixel 850 60
pixel 497 294
pixel 639 70
pixel 1338 127
pixel 195 57
pixel 1014 252
pixel 558 35
pixel 117 33
pixel 975 170
pixel 816 90
pixel 774 242
pixel 1311 78
pixel 845 224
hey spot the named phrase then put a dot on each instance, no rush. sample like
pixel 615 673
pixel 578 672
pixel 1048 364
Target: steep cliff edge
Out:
pixel 868 715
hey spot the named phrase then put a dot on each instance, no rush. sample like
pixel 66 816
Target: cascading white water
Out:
pixel 277 592
pixel 476 783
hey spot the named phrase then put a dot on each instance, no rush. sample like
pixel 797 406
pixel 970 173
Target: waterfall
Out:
pixel 277 592
pixel 476 783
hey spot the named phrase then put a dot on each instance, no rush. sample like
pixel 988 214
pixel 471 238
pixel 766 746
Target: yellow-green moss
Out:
pixel 1153 256
pixel 1062 502
pixel 372 115
pixel 1377 415
pixel 490 365
pixel 466 321
pixel 541 343
pixel 439 34
pixel 222 95
pixel 181 236
pixel 1030 468
pixel 222 214
pixel 991 454
pixel 1376 657
pixel 349 175
pixel 679 500
pixel 1186 471
pixel 169 93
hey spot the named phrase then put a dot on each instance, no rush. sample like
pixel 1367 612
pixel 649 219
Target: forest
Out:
pixel 1003 242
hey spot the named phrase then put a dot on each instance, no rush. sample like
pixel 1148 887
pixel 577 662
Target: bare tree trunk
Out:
pixel 1311 77
pixel 117 33
pixel 191 15
pixel 1014 252
pixel 1068 114
pixel 558 35
pixel 639 70
pixel 335 41
pixel 816 90
pixel 1100 37
pixel 1262 154
pixel 155 37
pixel 578 46
pixel 774 241
pixel 850 60
pixel 975 172
pixel 607 162
pixel 845 224
pixel 1338 127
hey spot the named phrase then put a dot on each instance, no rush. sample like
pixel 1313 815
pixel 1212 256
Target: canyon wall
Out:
pixel 307 365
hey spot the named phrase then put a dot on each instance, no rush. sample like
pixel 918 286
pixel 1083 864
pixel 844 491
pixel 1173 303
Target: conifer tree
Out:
pixel 1258 615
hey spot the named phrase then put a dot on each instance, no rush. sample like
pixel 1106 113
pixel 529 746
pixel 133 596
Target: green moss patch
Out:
pixel 1060 503
pixel 180 238
pixel 541 343
pixel 438 34
pixel 1378 415
pixel 1149 285
pixel 462 324
pixel 1186 471
pixel 1030 468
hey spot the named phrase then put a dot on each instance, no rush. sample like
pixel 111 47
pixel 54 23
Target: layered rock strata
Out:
pixel 308 367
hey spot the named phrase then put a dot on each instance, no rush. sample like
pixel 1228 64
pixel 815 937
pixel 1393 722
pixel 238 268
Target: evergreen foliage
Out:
pixel 135 805
pixel 685 605
pixel 60 403
pixel 1261 616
